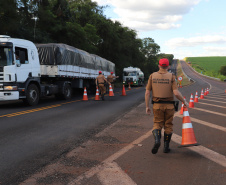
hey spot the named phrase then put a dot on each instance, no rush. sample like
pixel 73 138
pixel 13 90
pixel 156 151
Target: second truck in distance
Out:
pixel 134 76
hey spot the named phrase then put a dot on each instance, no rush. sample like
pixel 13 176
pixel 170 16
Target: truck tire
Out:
pixel 32 95
pixel 67 93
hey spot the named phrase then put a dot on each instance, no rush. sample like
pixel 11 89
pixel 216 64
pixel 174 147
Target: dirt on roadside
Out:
pixel 91 153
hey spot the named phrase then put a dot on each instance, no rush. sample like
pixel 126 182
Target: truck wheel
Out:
pixel 32 95
pixel 67 92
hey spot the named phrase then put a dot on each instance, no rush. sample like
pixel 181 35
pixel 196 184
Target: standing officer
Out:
pixel 110 78
pixel 163 86
pixel 100 83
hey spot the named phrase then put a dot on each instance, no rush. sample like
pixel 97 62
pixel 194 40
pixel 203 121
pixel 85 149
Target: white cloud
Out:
pixel 182 52
pixel 147 15
pixel 215 51
pixel 195 41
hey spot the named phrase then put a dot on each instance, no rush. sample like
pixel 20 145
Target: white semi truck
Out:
pixel 29 71
pixel 133 75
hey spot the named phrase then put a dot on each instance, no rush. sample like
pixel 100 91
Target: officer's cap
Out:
pixel 164 62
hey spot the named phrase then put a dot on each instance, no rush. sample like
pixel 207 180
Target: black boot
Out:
pixel 157 136
pixel 167 138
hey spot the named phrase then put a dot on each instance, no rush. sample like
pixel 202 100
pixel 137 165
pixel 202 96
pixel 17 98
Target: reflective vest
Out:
pixel 162 85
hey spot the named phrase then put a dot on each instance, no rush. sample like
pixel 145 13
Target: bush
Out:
pixel 223 70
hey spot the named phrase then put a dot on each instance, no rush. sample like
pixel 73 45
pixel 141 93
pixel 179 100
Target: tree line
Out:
pixel 82 24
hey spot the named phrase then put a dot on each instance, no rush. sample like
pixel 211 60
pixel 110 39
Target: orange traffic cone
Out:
pixel 188 135
pixel 205 93
pixel 111 91
pixel 202 95
pixel 123 91
pixel 85 97
pixel 97 97
pixel 129 88
pixel 182 107
pixel 196 97
pixel 191 103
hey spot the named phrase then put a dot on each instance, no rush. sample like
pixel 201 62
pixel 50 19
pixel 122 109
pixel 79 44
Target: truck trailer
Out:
pixel 134 76
pixel 30 71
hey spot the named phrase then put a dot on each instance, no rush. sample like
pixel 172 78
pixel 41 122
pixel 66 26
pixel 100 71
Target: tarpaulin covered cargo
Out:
pixel 62 54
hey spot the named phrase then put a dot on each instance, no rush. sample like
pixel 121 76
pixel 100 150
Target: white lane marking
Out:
pixel 217 98
pixel 113 174
pixel 110 159
pixel 212 112
pixel 216 95
pixel 205 152
pixel 211 100
pixel 205 123
pixel 212 105
pixel 209 154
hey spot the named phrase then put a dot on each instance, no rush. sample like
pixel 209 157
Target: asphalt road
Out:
pixel 204 164
pixel 121 153
pixel 31 137
pixel 71 144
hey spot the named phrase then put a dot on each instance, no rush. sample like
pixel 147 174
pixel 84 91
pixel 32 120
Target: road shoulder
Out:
pixel 92 153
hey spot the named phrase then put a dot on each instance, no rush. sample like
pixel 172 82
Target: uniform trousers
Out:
pixel 112 85
pixel 102 89
pixel 163 117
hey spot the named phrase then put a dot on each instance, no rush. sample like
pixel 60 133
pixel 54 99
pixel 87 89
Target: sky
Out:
pixel 184 28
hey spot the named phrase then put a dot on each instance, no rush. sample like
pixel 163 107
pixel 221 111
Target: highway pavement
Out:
pixel 113 146
pixel 32 137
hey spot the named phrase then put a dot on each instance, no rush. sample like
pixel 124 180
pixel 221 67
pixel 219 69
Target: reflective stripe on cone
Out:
pixel 188 135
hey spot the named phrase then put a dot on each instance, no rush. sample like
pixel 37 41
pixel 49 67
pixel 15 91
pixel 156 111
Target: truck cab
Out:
pixel 29 71
pixel 19 64
pixel 133 75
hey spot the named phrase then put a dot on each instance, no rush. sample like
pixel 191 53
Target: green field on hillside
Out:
pixel 209 66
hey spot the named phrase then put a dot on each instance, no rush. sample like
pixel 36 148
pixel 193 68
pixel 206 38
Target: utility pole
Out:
pixel 35 18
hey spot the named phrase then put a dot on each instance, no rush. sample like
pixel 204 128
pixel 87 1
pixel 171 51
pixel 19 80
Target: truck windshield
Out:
pixel 130 73
pixel 6 56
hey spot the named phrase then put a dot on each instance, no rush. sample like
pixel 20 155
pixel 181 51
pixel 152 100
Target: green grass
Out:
pixel 209 66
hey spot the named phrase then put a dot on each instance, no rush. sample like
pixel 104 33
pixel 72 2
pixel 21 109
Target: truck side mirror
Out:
pixel 17 63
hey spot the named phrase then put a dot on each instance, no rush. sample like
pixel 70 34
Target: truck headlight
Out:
pixel 10 88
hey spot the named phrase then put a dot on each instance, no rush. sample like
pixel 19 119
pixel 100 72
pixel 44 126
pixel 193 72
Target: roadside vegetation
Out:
pixel 210 66
pixel 81 24
pixel 185 80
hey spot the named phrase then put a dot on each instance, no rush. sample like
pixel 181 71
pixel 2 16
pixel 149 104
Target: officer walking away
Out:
pixel 100 83
pixel 163 86
pixel 110 78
